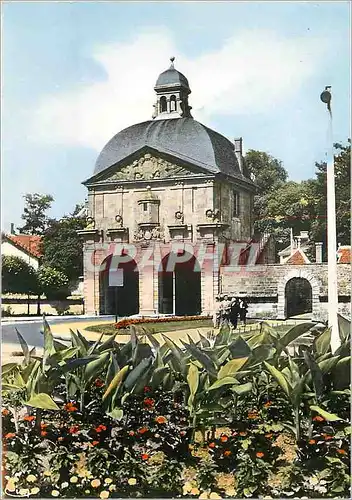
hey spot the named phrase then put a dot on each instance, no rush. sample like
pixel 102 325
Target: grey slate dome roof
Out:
pixel 182 138
pixel 172 78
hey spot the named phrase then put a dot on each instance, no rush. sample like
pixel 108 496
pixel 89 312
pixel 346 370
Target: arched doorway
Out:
pixel 180 286
pixel 119 300
pixel 298 297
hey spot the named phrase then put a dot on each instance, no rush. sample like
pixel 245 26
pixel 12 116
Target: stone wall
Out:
pixel 265 287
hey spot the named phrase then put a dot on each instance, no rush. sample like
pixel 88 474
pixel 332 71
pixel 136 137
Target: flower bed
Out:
pixel 229 419
pixel 124 323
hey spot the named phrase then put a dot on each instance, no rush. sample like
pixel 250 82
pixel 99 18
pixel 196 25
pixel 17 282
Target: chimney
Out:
pixel 319 253
pixel 12 230
pixel 238 152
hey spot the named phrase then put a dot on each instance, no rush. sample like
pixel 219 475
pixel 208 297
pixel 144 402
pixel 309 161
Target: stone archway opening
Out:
pixel 119 300
pixel 298 297
pixel 180 285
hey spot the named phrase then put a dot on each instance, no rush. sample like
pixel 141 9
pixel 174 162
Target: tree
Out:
pixel 18 276
pixel 53 283
pixel 342 193
pixel 34 213
pixel 62 247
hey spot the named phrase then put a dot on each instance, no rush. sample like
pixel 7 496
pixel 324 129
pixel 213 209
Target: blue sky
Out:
pixel 74 74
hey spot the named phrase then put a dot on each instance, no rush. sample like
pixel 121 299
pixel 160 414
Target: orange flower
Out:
pixel 259 454
pixel 100 428
pixel 142 430
pixel 268 436
pixel 161 420
pixel 227 453
pixel 43 433
pixel 211 445
pixel 224 439
pixel 74 429
pixel 149 402
pixel 341 451
pixel 267 404
pixel 252 415
pixel 312 441
pixel 29 418
pixel 5 412
pixel 43 426
pixel 70 407
pixel 318 418
pixel 94 443
pixel 145 456
pixel 243 433
pixel 10 435
pixel 60 438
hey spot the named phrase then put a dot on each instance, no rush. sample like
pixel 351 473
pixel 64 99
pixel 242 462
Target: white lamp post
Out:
pixel 331 230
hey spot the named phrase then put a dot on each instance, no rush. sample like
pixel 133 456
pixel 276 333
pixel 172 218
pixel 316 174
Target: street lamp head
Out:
pixel 326 95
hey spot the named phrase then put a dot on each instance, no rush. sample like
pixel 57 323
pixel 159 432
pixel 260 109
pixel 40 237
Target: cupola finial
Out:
pixel 172 62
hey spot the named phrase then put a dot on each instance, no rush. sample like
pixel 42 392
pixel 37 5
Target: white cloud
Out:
pixel 252 72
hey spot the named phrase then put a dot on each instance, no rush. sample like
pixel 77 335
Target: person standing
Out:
pixel 244 311
pixel 235 311
pixel 226 310
pixel 217 312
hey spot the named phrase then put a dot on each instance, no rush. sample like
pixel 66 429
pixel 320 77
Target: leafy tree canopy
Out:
pixel 53 283
pixel 34 213
pixel 18 276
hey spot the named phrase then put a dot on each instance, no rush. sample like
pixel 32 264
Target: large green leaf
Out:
pixel 231 367
pixel 158 376
pixel 137 372
pixel 116 414
pixel 242 388
pixel 49 347
pixel 279 377
pixel 116 381
pixel 322 342
pixel 222 382
pixel 24 346
pixel 108 344
pixel 203 342
pixel 239 348
pixel 95 345
pixel 77 342
pixel 331 417
pixel 93 368
pixel 152 340
pixel 193 383
pixel 8 367
pixel 295 332
pixel 344 328
pixel 202 358
pixel 317 374
pixel 43 401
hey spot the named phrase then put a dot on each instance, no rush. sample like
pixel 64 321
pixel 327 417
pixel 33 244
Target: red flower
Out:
pixel 94 443
pixel 70 407
pixel 259 454
pixel 149 402
pixel 224 439
pixel 43 433
pixel 182 433
pixel 318 418
pixel 142 430
pixel 147 388
pixel 29 418
pixel 145 456
pixel 10 435
pixel 98 383
pixel 100 428
pixel 74 429
pixel 161 420
pixel 211 445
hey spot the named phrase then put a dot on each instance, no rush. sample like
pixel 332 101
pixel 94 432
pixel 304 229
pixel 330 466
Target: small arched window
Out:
pixel 163 104
pixel 173 103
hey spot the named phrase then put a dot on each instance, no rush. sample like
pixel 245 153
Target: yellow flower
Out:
pixel 187 488
pixel 23 492
pixel 31 478
pixel 214 496
pixel 55 493
pixel 34 491
pixel 132 481
pixel 204 495
pixel 10 486
pixel 95 483
pixel 87 492
pixel 108 480
pixel 194 491
pixel 112 487
pixel 74 479
pixel 231 492
pixel 104 494
pixel 47 473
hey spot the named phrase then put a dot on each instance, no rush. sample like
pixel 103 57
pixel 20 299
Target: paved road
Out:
pixel 30 330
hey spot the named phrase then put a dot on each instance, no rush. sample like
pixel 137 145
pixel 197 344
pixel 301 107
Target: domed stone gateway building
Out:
pixel 170 225
pixel 170 187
